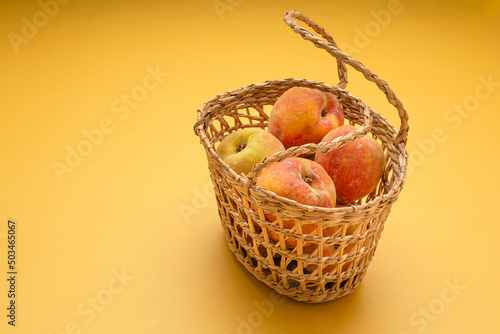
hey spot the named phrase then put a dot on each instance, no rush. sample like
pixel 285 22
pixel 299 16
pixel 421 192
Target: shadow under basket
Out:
pixel 331 261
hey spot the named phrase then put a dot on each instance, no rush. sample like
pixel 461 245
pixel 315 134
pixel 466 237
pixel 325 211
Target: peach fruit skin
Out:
pixel 355 168
pixel 296 117
pixel 328 251
pixel 286 179
pixel 258 145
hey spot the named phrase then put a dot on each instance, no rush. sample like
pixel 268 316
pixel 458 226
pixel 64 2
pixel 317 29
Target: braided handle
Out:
pixel 341 68
pixel 331 47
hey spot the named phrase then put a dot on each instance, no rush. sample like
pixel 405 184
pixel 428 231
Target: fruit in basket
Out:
pixel 300 180
pixel 329 251
pixel 355 168
pixel 244 148
pixel 304 115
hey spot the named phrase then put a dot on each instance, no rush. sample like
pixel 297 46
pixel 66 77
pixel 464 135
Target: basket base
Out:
pixel 332 288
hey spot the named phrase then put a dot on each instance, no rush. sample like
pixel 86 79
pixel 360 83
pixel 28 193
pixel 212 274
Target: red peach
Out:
pixel 355 168
pixel 304 115
pixel 303 181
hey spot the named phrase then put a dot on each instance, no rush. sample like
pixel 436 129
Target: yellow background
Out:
pixel 139 204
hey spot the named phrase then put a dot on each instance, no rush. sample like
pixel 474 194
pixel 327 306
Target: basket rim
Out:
pixel 219 102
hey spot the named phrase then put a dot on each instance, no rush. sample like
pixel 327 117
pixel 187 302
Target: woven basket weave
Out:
pixel 242 205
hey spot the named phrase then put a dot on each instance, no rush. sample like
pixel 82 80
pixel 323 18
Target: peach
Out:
pixel 304 115
pixel 303 181
pixel 328 251
pixel 355 168
pixel 244 148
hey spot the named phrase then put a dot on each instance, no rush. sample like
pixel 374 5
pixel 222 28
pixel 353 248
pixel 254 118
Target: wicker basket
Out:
pixel 242 205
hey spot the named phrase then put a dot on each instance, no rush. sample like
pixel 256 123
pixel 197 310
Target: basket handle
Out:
pixel 331 47
pixel 288 17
